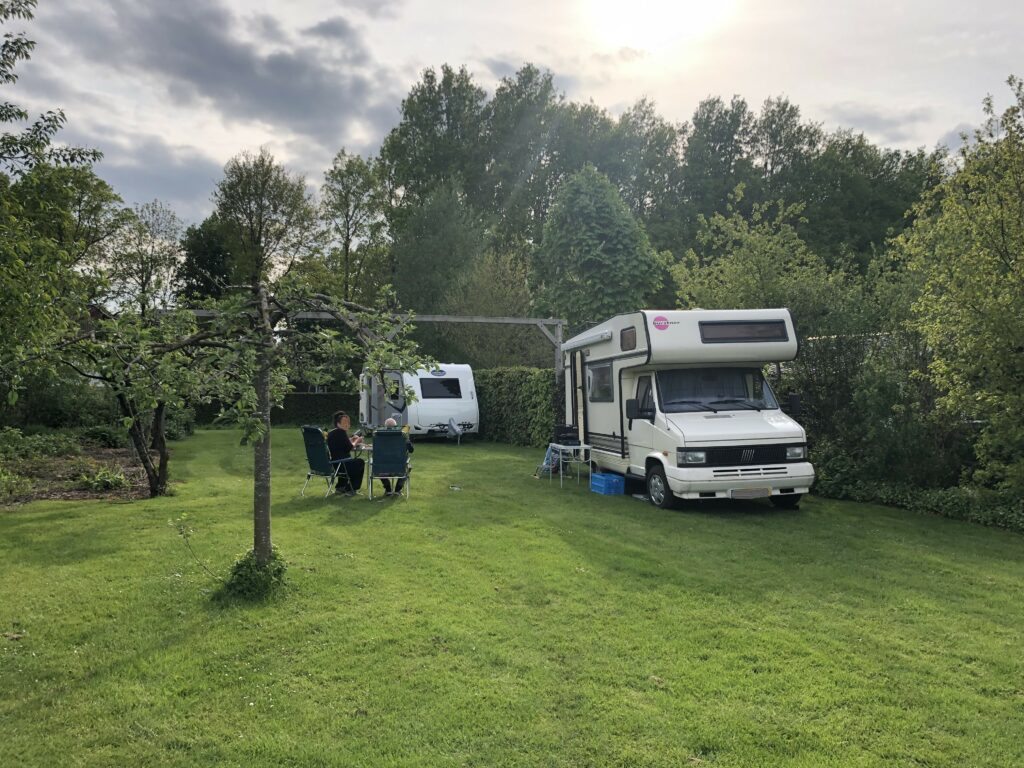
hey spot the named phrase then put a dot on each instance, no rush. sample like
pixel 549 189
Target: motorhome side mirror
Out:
pixel 794 407
pixel 633 409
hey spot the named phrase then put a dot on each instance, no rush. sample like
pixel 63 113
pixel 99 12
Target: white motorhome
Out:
pixel 678 398
pixel 445 395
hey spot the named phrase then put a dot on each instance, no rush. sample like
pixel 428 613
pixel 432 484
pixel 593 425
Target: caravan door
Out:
pixel 640 432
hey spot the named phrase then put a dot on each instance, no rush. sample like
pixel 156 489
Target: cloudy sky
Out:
pixel 170 89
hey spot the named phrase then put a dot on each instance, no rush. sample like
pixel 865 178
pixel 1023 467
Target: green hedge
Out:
pixel 517 405
pixel 298 408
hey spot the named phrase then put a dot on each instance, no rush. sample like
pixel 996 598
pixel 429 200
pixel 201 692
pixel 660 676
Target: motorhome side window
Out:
pixel 440 388
pixel 644 393
pixel 599 383
pixel 627 339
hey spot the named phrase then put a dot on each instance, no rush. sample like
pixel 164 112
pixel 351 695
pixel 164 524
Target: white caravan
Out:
pixel 445 395
pixel 678 399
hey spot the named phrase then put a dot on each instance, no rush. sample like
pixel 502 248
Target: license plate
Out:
pixel 750 493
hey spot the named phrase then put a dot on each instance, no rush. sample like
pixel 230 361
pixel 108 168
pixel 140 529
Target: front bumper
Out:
pixel 719 482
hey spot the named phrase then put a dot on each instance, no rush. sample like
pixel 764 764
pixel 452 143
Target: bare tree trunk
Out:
pixel 160 444
pixel 261 450
pixel 138 438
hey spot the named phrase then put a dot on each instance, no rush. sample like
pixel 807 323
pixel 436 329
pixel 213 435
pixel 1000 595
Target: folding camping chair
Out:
pixel 320 464
pixel 389 458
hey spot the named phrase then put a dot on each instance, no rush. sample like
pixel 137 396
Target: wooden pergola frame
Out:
pixel 541 323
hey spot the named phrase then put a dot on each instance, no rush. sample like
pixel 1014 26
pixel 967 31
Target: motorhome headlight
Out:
pixel 796 452
pixel 685 458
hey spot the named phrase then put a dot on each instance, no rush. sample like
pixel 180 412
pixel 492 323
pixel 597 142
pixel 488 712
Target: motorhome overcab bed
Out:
pixel 445 395
pixel 678 398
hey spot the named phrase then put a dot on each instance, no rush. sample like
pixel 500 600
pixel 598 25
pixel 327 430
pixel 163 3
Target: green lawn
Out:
pixel 509 623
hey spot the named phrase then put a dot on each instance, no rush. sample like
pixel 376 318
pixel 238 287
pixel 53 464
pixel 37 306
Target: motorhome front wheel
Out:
pixel 657 488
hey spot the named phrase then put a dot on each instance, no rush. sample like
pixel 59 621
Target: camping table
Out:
pixel 572 455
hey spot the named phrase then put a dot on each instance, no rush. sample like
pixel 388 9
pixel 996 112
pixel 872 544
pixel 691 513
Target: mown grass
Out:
pixel 509 623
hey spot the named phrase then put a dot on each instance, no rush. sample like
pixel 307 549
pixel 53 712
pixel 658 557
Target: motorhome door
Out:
pixel 640 432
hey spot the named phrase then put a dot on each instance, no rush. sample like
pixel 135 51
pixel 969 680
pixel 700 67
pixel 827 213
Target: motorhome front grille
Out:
pixel 746 454
pixel 750 472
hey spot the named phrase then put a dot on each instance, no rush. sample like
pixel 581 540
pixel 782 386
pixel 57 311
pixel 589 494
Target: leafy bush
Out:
pixel 249 581
pixel 12 483
pixel 60 403
pixel 104 436
pixel 15 445
pixel 103 479
pixel 179 423
pixel 517 405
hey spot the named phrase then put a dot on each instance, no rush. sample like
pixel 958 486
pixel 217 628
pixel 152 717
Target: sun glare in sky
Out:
pixel 655 25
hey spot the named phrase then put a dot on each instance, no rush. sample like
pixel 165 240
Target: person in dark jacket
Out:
pixel 340 445
pixel 391 424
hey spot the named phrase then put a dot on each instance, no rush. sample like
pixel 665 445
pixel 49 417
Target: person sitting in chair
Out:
pixel 391 424
pixel 341 445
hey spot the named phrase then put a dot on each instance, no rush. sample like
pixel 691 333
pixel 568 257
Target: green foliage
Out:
pixel 440 241
pixel 250 581
pixel 968 244
pixel 595 260
pixel 60 401
pixel 21 151
pixel 11 483
pixel 439 139
pixel 104 479
pixel 759 260
pixel 180 422
pixel 207 265
pixel 105 436
pixel 15 445
pixel 518 405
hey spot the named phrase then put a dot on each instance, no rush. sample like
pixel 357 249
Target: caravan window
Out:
pixel 435 389
pixel 599 383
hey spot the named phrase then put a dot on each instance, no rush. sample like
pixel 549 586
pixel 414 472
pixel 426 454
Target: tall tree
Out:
pixel 968 244
pixel 783 148
pixel 646 163
pixel 522 119
pixel 441 240
pixel 206 266
pixel 717 158
pixel 270 215
pixel 858 195
pixel 352 208
pixel 36 282
pixel 595 260
pixel 143 259
pixel 439 139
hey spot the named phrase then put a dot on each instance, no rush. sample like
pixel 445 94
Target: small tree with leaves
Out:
pixel 271 217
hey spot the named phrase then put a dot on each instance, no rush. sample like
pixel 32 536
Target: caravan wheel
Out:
pixel 658 491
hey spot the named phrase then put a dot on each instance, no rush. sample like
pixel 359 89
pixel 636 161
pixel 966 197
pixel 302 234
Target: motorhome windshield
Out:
pixel 714 389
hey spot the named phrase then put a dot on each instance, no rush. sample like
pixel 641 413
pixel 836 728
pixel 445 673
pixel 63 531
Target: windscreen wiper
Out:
pixel 698 403
pixel 737 401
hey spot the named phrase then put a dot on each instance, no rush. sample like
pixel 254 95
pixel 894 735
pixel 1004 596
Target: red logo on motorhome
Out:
pixel 661 323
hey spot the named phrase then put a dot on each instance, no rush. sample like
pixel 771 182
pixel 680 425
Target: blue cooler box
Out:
pixel 607 484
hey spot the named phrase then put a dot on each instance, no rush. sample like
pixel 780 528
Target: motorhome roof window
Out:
pixel 440 388
pixel 730 332
pixel 627 339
